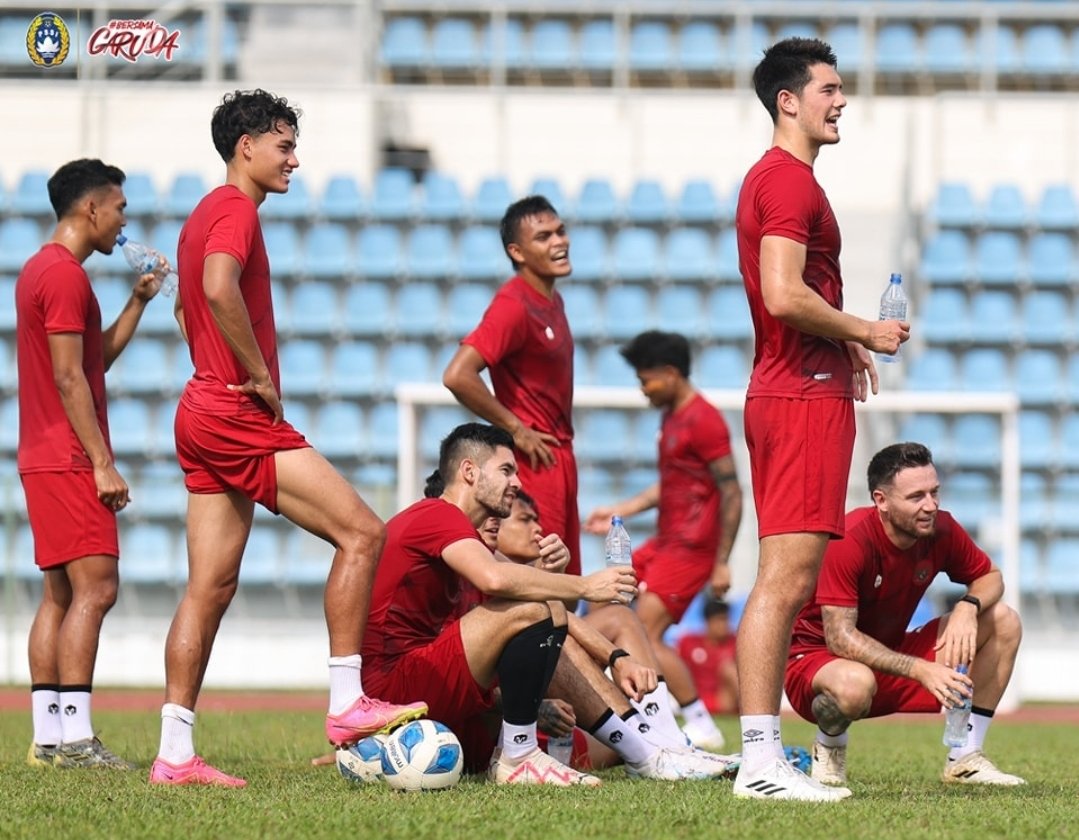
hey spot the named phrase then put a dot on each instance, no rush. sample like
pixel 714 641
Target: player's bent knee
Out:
pixel 853 686
pixel 1006 625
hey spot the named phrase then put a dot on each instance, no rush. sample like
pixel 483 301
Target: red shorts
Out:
pixel 675 574
pixel 579 759
pixel 894 694
pixel 799 456
pixel 555 491
pixel 67 518
pixel 219 453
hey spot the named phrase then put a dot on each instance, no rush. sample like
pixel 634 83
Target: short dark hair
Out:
pixel 891 460
pixel 434 486
pixel 522 496
pixel 714 606
pixel 654 348
pixel 786 66
pixel 76 178
pixel 467 441
pixel 251 112
pixel 525 208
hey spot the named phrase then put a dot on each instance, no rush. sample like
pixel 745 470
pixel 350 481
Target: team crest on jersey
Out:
pixel 921 573
pixel 48 40
pixel 549 333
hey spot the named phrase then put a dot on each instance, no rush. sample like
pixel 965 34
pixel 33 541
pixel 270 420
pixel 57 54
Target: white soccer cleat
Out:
pixel 976 769
pixel 779 780
pixel 704 738
pixel 829 764
pixel 674 765
pixel 536 768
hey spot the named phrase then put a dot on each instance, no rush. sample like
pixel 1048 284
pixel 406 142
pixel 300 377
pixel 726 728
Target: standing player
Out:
pixel 524 339
pixel 72 488
pixel 700 508
pixel 236 448
pixel 811 359
pixel 850 656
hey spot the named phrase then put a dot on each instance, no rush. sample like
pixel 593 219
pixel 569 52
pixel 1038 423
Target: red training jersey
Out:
pixel 866 570
pixel 704 656
pixel 525 341
pixel 690 439
pixel 53 295
pixel 781 197
pixel 225 222
pixel 415 592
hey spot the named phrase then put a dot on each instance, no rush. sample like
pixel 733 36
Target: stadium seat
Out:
pixel 165 237
pixel 604 435
pixel 283 248
pixel 430 253
pixel 327 251
pixel 984 369
pixel 650 48
pixel 130 427
pixel 970 497
pixel 582 365
pixel 435 423
pixel 314 309
pixel 442 199
pixel 480 255
pixel 180 370
pixel 354 369
pixel 977 441
pixel 727 264
pixel 932 370
pixel 588 253
pixel 342 200
pixel 158 490
pixel 303 368
pixel 112 295
pixel 9 424
pixel 339 430
pixel 550 189
pixel 1035 503
pixel 1066 503
pixel 680 307
pixel 379 252
pixel 647 204
pixel 898 49
pixel 368 310
pixel 598 45
pixel 582 310
pixel 187 190
pixel 947 49
pixel 306 559
pixel 636 255
pixel 1051 260
pixel 8 377
pixel 749 39
pixel 1068 454
pixel 407 361
pixel 954 206
pixel 1044 50
pixel 293 205
pixel 946 258
pixel 998 258
pixel 1060 576
pixel 627 311
pixel 20 239
pixel 688 257
pixel 1039 377
pixel 141 195
pixel 31 195
pixel 552 46
pixel 993 318
pixel 597 202
pixel 418 310
pixel 1046 318
pixel 454 45
pixel 1001 49
pixel 262 563
pixel 698 204
pixel 728 314
pixel 721 366
pixel 1006 207
pixel 465 304
pixel 491 199
pixel 1057 208
pixel 393 195
pixel 504 45
pixel 149 554
pixel 405 43
pixel 944 319
pixel 611 370
pixel 140 368
pixel 930 430
pixel 700 48
pixel 845 38
pixel 1037 440
pixel 382 430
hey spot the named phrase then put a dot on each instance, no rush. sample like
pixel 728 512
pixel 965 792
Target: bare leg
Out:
pixel 623 628
pixel 999 634
pixel 844 693
pixel 655 618
pixel 94 582
pixel 45 631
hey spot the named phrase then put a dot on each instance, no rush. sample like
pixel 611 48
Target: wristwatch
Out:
pixel 970 599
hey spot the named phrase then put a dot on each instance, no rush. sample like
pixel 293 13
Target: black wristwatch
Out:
pixel 970 599
pixel 617 653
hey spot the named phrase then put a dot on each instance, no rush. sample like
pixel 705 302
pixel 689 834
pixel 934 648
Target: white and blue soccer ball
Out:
pixel 362 762
pixel 422 755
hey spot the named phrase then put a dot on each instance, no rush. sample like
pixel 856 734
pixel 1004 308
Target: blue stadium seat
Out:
pixel 283 248
pixel 947 49
pixel 282 314
pixel 492 197
pixel 327 251
pixel 727 264
pixel 582 310
pixel 930 430
pixel 1035 503
pixel 158 490
pixel 465 304
pixel 845 38
pixel 728 314
pixel 946 258
pixel 650 48
pixel 721 366
pixel 295 204
pixel 430 253
pixel 698 204
pixel 970 497
pixel 1044 50
pixel 130 430
pixel 342 200
pixel 112 295
pixel 480 255
pixel 998 258
pixel 187 190
pixel 582 365
pixel 993 318
pixel 1037 440
pixel 604 435
pixel 407 361
pixel 1061 565
pixel 1006 207
pixel 1068 453
pixel 647 204
pixel 680 307
pixel 611 369
pixel 954 206
pixel 442 199
pixel 1066 504
pixel 379 252
pixel 20 239
pixel 405 43
pixel 898 49
pixel 166 237
pixel 552 190
pixel 368 310
pixel 984 369
pixel 139 369
pixel 382 430
pixel 9 424
pixel 393 195
pixel 598 46
pixel 944 318
pixel 31 195
pixel 1001 49
pixel 977 441
pixel 749 44
pixel 1051 259
pixel 597 202
pixel 418 308
pixel 932 370
pixel 644 440
pixel 305 559
pixel 435 423
pixel 588 253
pixel 688 255
pixel 636 255
pixel 627 311
pixel 303 368
pixel 339 430
pixel 1046 318
pixel 1039 378
pixel 141 194
pixel 180 370
pixel 314 308
pixel 149 554
pixel 1057 208
pixel 454 45
pixel 700 48
pixel 552 45
pixel 504 45
pixel 8 376
pixel 263 558
pixel 354 369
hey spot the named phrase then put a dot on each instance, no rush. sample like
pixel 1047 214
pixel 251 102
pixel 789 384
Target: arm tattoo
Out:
pixel 845 640
pixel 721 476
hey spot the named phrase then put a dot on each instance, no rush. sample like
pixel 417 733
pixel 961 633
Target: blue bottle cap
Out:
pixel 616 520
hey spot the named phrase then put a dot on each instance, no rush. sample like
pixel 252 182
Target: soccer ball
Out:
pixel 422 755
pixel 362 761
pixel 800 757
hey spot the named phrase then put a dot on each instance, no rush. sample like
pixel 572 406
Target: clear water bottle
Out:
pixel 956 719
pixel 560 748
pixel 617 550
pixel 893 307
pixel 146 260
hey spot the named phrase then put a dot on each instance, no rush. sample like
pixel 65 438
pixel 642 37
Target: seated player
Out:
pixel 851 657
pixel 517 635
pixel 710 659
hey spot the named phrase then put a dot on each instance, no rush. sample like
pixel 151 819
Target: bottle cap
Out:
pixel 120 239
pixel 896 278
pixel 961 669
pixel 616 520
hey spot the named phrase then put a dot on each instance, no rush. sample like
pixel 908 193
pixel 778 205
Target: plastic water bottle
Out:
pixel 956 719
pixel 893 307
pixel 617 550
pixel 146 260
pixel 560 748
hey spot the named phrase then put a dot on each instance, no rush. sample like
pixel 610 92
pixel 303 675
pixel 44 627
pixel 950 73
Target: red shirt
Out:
pixel 704 657
pixel 53 295
pixel 225 222
pixel 781 197
pixel 415 592
pixel 690 439
pixel 525 341
pixel 866 570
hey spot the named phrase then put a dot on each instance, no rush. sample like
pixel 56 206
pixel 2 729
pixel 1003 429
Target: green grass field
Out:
pixel 893 765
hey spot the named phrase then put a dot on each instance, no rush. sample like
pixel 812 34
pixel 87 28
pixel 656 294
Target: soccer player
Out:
pixel 851 658
pixel 811 359
pixel 236 448
pixel 710 658
pixel 525 340
pixel 415 642
pixel 73 490
pixel 700 509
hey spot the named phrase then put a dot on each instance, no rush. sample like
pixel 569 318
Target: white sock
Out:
pixel 45 708
pixel 760 740
pixel 177 734
pixel 623 737
pixel 827 740
pixel 976 729
pixel 696 714
pixel 75 716
pixel 655 708
pixel 345 684
pixel 518 740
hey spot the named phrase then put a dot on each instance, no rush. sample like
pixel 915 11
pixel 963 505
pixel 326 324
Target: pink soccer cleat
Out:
pixel 368 716
pixel 194 771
